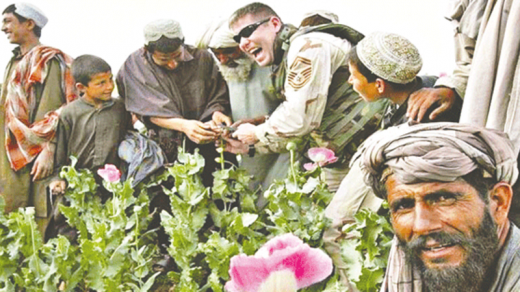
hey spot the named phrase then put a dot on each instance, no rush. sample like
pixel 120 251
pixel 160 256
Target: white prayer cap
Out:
pixel 153 31
pixel 390 56
pixel 323 13
pixel 223 38
pixel 30 11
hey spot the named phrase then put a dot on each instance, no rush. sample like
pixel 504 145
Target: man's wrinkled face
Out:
pixel 446 228
pixel 367 90
pixel 228 56
pixel 260 44
pixel 15 30
pixel 168 61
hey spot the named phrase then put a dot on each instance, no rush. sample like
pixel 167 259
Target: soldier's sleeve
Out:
pixel 309 73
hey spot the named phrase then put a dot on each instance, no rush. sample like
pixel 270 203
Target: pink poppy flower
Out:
pixel 320 156
pixel 110 173
pixel 285 252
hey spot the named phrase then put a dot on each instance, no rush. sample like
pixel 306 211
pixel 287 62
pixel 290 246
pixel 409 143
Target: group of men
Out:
pixel 449 186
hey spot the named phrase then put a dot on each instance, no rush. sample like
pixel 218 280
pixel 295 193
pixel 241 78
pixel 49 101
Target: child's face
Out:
pixel 100 87
pixel 367 90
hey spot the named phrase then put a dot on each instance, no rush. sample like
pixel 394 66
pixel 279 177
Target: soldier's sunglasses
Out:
pixel 248 30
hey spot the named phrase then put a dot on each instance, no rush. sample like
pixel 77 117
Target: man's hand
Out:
pixel 198 132
pixel 421 100
pixel 235 146
pixel 57 187
pixel 44 163
pixel 246 134
pixel 219 118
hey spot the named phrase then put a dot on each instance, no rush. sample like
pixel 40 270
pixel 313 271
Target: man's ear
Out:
pixel 81 87
pixel 380 85
pixel 500 201
pixel 277 23
pixel 30 24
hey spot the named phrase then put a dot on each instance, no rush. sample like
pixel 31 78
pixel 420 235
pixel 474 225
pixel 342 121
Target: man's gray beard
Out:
pixel 239 73
pixel 470 275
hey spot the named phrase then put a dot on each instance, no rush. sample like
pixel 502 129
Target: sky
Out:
pixel 113 29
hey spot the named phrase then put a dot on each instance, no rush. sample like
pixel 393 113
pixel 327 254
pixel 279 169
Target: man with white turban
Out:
pixel 449 190
pixel 252 99
pixel 37 82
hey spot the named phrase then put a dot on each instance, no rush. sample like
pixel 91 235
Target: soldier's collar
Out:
pixel 281 43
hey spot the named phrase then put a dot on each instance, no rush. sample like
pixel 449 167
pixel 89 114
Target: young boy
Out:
pixel 91 127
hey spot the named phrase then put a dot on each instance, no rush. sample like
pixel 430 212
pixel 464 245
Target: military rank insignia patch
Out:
pixel 299 73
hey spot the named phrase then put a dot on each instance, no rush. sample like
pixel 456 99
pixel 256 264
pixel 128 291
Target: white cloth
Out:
pixel 169 28
pixel 30 11
pixel 250 99
pixel 493 92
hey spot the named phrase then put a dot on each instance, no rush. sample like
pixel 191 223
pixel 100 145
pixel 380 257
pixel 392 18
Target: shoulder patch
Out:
pixel 299 73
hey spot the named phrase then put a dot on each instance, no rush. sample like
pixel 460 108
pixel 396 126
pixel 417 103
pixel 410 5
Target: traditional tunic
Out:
pixel 16 187
pixel 493 92
pixel 91 134
pixel 249 99
pixel 193 91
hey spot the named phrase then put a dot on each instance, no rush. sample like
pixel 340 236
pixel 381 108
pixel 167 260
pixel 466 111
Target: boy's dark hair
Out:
pixel 12 8
pixel 314 20
pixel 255 9
pixel 85 66
pixel 353 58
pixel 164 45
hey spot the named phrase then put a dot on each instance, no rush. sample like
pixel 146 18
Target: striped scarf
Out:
pixel 24 141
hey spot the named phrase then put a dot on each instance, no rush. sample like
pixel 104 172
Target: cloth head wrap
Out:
pixel 162 27
pixel 390 56
pixel 217 36
pixel 323 13
pixel 438 152
pixel 30 11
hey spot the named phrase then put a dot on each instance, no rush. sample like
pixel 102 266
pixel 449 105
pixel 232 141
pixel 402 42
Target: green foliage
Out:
pixel 111 253
pixel 366 251
pixel 297 205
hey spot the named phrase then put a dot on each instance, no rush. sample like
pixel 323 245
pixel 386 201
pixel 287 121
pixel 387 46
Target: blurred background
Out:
pixel 112 29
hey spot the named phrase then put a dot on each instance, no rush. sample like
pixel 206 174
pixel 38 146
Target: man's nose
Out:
pixel 223 59
pixel 425 220
pixel 350 79
pixel 244 43
pixel 172 64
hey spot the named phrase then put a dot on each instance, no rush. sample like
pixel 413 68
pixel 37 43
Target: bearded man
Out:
pixel 449 191
pixel 252 100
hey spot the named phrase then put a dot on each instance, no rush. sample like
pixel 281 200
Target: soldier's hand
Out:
pixel 246 134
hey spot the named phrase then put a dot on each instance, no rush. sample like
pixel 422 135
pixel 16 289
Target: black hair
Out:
pixel 314 20
pixel 255 9
pixel 164 45
pixel 86 66
pixel 353 58
pixel 12 8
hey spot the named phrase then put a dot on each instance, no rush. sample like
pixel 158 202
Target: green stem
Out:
pixel 292 167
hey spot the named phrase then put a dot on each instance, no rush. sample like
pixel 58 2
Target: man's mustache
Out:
pixel 440 238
